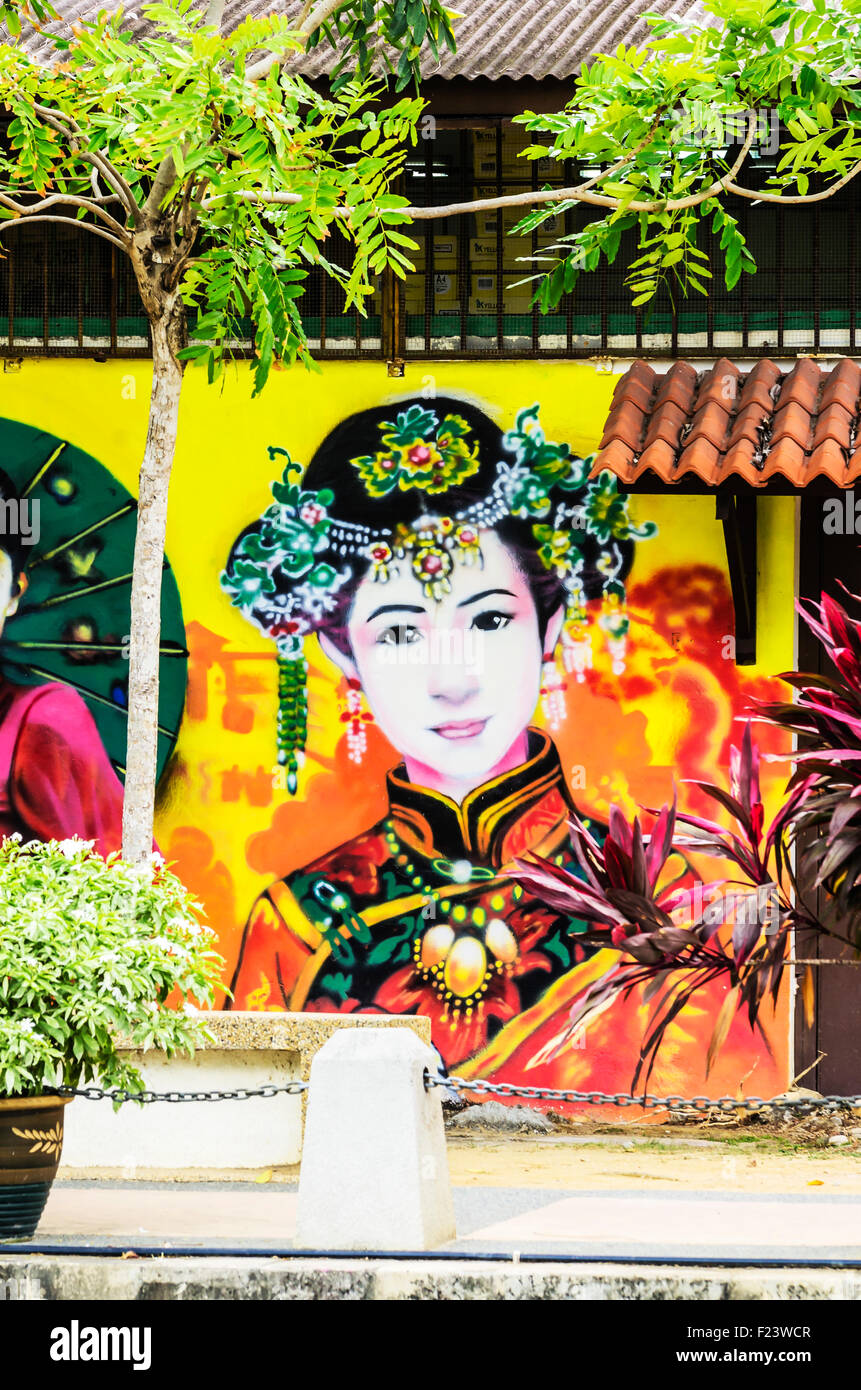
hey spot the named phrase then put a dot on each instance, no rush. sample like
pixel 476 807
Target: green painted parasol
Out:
pixel 72 624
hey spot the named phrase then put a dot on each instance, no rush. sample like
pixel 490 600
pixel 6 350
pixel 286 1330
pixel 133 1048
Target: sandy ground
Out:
pixel 594 1157
pixel 738 1165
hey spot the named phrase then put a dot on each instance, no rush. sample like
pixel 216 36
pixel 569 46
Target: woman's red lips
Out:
pixel 461 728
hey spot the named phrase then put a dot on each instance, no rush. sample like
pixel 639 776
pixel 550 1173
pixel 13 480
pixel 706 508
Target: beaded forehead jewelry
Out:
pixel 287 570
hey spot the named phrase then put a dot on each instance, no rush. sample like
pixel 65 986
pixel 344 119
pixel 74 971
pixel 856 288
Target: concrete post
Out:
pixel 374 1173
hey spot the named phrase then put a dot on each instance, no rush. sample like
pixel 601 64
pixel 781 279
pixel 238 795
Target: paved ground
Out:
pixel 599 1196
pixel 490 1220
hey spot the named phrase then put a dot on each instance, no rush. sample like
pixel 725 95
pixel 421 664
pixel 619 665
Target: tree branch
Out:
pixel 765 197
pixel 67 222
pixel 319 15
pixel 115 179
pixel 308 24
pixel 580 193
pixel 182 218
pixel 54 119
pixel 57 121
pixel 26 210
pixel 164 178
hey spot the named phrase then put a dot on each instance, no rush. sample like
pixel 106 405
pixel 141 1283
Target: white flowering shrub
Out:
pixel 95 951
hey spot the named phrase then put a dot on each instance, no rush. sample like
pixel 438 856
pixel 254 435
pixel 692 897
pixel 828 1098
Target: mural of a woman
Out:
pixel 56 779
pixel 442 564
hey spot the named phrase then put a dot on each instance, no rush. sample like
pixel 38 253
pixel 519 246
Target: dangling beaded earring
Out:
pixel 292 714
pixel 552 692
pixel 615 622
pixel 356 719
pixel 576 638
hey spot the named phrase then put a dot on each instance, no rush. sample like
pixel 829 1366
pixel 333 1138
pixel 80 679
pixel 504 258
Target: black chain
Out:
pixel 292 1088
pixel 486 1089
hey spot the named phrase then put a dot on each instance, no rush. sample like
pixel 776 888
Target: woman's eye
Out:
pixel 491 621
pixel 401 635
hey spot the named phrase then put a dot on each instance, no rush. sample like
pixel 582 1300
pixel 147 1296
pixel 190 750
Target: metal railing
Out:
pixel 485 1090
pixel 64 294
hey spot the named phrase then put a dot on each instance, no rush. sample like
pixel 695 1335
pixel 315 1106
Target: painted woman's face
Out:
pixel 452 684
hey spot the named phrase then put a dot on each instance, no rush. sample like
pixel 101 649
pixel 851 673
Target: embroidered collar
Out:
pixel 496 821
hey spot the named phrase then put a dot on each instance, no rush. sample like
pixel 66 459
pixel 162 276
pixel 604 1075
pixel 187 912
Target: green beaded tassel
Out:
pixel 292 714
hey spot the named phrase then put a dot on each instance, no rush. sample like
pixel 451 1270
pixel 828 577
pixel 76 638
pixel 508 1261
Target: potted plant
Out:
pixel 92 952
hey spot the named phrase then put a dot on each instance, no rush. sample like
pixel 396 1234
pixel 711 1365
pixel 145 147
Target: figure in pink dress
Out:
pixel 56 780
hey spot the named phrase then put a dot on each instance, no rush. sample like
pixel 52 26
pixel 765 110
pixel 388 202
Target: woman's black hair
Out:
pixel 361 434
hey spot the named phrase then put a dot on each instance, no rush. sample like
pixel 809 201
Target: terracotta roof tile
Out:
pixel 625 422
pixel 720 384
pixel 846 370
pixel 740 457
pixel 660 457
pixel 835 423
pixel 792 422
pixel 677 385
pixel 802 386
pixel 723 423
pixel 639 371
pixel 844 387
pixel 749 424
pixel 748 471
pixel 639 390
pixel 761 386
pixel 701 458
pixel 828 459
pixel 666 423
pixel 788 458
pixel 712 423
pixel 617 457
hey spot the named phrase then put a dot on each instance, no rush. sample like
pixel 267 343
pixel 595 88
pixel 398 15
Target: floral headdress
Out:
pixel 287 570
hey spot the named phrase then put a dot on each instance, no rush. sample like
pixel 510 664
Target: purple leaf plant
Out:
pixel 637 892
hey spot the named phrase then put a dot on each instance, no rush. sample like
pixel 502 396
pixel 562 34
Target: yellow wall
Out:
pixel 222 472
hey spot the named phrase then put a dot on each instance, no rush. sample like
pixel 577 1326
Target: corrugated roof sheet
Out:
pixel 801 424
pixel 495 38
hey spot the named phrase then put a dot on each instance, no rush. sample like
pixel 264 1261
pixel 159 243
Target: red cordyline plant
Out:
pixel 827 720
pixel 669 939
pixel 666 928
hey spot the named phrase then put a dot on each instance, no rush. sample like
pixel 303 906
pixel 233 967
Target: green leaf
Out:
pixel 383 950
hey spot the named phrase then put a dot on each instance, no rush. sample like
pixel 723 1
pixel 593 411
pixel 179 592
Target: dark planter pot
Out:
pixel 31 1140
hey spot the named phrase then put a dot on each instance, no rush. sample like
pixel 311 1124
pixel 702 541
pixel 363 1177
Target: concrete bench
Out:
pixel 199 1137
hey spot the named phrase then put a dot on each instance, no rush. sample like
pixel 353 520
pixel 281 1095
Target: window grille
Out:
pixel 64 293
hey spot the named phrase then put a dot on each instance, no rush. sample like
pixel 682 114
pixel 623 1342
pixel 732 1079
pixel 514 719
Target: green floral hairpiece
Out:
pixel 281 583
pixel 419 450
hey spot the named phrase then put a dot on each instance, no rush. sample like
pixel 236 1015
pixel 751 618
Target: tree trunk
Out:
pixel 142 744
